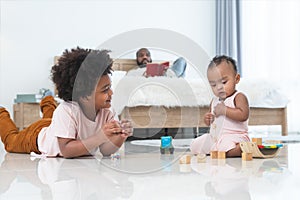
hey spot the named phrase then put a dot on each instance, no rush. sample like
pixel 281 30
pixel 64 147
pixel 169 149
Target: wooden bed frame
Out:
pixel 159 117
pixel 180 117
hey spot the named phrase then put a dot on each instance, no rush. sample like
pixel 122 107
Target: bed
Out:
pixel 161 102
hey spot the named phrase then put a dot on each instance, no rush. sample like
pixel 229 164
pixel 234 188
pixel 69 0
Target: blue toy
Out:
pixel 166 145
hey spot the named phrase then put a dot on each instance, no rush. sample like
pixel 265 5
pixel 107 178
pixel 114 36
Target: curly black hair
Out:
pixel 78 71
pixel 219 59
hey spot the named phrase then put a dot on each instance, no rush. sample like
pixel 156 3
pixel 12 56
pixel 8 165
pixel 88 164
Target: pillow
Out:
pixel 263 93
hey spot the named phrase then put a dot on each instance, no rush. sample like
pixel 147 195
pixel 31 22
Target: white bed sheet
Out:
pixel 134 91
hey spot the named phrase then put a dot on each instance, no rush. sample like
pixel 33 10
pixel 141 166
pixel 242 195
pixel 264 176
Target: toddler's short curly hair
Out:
pixel 219 59
pixel 78 71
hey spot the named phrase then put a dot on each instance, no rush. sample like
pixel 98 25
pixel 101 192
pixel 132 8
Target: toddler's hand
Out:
pixel 209 118
pixel 220 109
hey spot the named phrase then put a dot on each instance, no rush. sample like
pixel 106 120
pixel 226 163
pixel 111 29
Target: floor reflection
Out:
pixel 141 175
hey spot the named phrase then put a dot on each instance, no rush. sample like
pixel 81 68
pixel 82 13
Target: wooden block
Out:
pixel 246 156
pixel 221 155
pixel 201 158
pixel 258 141
pixel 186 159
pixel 214 154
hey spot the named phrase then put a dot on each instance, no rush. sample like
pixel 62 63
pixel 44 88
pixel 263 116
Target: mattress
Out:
pixel 131 91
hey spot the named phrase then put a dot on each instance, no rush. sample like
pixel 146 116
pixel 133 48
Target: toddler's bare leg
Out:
pixel 235 152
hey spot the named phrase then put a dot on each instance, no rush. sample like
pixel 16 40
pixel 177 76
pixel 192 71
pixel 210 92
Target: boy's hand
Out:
pixel 126 126
pixel 113 128
pixel 115 134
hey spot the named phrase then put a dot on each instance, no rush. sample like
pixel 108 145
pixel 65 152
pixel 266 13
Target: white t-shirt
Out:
pixel 69 121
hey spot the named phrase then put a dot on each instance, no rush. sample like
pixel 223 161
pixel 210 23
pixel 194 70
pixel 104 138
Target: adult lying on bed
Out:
pixel 143 57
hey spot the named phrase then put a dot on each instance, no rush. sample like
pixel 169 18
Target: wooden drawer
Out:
pixel 25 114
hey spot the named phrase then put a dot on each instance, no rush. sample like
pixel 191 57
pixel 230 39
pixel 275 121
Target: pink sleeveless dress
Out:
pixel 224 133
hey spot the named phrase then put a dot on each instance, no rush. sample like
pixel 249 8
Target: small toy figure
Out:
pixel 166 146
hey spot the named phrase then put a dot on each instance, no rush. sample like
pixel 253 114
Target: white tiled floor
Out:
pixel 143 173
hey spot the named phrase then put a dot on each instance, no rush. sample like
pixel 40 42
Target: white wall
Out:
pixel 33 32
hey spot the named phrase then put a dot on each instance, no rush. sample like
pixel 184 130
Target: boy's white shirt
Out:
pixel 69 121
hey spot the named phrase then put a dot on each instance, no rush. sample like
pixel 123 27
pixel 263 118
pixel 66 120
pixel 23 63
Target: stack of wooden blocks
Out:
pixel 218 155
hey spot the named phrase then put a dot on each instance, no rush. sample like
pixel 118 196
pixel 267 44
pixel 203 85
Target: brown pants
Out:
pixel 25 141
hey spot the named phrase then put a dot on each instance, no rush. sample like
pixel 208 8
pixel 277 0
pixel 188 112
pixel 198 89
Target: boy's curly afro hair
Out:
pixel 78 71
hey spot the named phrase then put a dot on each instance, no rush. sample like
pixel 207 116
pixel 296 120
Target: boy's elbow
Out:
pixel 107 153
pixel 68 156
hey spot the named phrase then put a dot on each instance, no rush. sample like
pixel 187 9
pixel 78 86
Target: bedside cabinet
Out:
pixel 25 114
